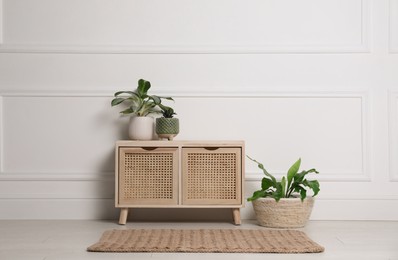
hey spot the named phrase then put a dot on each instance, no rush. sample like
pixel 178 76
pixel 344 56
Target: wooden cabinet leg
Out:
pixel 236 216
pixel 123 216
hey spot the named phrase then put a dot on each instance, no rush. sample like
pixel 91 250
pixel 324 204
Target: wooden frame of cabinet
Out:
pixel 179 174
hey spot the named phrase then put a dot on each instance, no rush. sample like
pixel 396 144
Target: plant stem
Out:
pixel 290 191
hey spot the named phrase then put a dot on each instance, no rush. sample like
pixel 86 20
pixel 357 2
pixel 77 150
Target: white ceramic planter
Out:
pixel 286 213
pixel 141 128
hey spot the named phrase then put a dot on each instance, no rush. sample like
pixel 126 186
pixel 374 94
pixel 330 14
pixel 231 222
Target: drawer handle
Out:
pixel 149 148
pixel 211 148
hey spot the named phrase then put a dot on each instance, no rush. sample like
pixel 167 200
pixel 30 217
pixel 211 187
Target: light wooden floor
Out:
pixel 68 239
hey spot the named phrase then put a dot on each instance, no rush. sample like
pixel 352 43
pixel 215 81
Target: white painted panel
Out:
pixel 25 189
pixel 190 24
pixel 325 132
pixel 394 25
pixel 1 134
pixel 396 137
pixel 60 134
pixel 1 21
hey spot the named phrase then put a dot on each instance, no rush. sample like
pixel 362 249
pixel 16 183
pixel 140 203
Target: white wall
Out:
pixel 311 79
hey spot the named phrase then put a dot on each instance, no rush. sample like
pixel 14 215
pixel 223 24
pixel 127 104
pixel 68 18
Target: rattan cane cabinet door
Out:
pixel 212 176
pixel 148 176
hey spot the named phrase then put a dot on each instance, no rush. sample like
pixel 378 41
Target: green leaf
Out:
pixel 129 110
pixel 312 170
pixel 167 112
pixel 313 185
pixel 291 189
pixel 143 87
pixel 299 177
pixel 266 183
pixel 283 186
pixel 136 101
pixel 261 166
pixel 125 92
pixel 303 194
pixel 155 99
pixel 257 194
pixel 293 171
pixel 278 194
pixel 117 101
pixel 146 108
pixel 168 98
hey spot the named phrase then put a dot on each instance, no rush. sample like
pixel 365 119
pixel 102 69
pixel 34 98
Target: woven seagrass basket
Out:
pixel 286 213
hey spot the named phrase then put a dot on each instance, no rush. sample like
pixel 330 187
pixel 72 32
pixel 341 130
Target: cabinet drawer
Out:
pixel 148 176
pixel 212 176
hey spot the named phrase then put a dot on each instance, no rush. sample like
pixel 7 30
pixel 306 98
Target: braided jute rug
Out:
pixel 206 241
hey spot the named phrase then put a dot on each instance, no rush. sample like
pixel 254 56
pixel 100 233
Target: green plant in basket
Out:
pixel 294 184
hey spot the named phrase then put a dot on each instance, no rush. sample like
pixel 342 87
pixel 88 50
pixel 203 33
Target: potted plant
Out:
pixel 140 105
pixel 284 203
pixel 167 126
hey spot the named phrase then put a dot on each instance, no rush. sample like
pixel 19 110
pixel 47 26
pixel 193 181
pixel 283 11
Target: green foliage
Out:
pixel 290 186
pixel 139 102
pixel 167 112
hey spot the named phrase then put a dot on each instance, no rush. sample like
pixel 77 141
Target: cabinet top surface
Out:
pixel 181 143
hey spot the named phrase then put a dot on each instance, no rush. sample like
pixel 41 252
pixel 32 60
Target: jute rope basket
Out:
pixel 286 213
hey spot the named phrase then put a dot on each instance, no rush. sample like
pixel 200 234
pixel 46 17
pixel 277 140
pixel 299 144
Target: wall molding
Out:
pixel 272 92
pixel 364 175
pixel 7 176
pixel 324 177
pixel 183 49
pixel 362 47
pixel 365 26
pixel 393 135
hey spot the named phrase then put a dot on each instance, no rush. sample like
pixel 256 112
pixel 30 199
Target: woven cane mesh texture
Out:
pixel 148 176
pixel 211 176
